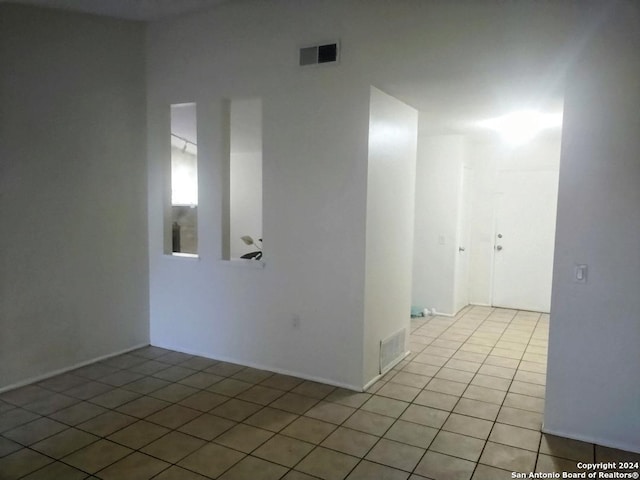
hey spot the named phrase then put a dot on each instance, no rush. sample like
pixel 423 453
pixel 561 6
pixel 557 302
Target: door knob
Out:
pixel 461 249
pixel 498 247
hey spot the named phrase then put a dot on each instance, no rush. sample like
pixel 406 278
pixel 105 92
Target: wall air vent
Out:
pixel 318 54
pixel 392 350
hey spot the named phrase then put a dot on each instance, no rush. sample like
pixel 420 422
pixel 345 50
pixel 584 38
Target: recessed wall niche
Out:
pixel 183 223
pixel 245 178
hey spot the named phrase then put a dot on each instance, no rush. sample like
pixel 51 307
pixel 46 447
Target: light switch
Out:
pixel 580 274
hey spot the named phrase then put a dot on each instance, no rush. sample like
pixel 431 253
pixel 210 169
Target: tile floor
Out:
pixel 467 404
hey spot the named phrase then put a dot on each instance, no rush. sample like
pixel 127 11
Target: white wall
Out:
pixel 393 129
pixel 439 167
pixel 315 124
pixel 73 263
pixel 593 387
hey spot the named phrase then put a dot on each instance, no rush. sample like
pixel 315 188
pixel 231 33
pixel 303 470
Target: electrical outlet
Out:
pixel 295 321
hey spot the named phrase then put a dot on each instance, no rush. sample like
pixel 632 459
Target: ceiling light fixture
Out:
pixel 520 127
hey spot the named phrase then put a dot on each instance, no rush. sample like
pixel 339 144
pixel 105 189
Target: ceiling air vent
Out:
pixel 318 54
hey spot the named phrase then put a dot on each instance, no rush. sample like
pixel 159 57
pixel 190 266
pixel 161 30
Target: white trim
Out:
pixel 480 304
pixel 440 314
pixel 596 440
pixel 244 363
pixel 380 375
pixel 44 376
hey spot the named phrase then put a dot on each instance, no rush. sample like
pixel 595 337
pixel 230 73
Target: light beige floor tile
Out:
pixel 136 466
pixel 385 406
pixel 443 467
pixel 530 389
pixel 566 448
pixel 398 391
pixel 476 408
pixel 252 375
pixel 327 464
pixel 22 462
pixel 485 472
pixel 64 443
pixel 107 423
pixel 368 471
pixel 309 429
pixel 138 434
pixel 244 438
pixel 484 394
pixel 173 447
pixel 607 454
pixel 236 410
pixel 271 419
pixel 351 442
pixel 524 402
pixel 446 386
pixel 211 460
pixel 369 422
pixel 178 473
pixel 51 404
pixel 520 418
pixel 251 468
pixel 457 445
pixel 454 375
pixel 281 382
pixel 411 434
pixel 508 458
pixel 260 394
pixel 428 416
pixel 56 471
pixel 174 392
pixel 146 385
pixel 438 400
pixel 173 416
pixel 201 380
pixel 207 427
pixel 330 412
pixel 34 431
pixel 78 413
pixel 283 450
pixel 204 401
pixel 294 403
pixel 229 387
pixel 313 389
pixel 410 379
pixel 143 407
pixel 114 398
pixel 97 456
pixel 515 436
pixel 8 446
pixel 464 425
pixel 548 463
pixel 491 382
pixel 395 454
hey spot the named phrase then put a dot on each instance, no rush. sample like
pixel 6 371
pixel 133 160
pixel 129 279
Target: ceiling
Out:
pixel 140 10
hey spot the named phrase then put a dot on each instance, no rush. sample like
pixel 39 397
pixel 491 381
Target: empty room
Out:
pixel 319 239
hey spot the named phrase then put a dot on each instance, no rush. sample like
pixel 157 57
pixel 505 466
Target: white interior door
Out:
pixel 524 239
pixel 461 296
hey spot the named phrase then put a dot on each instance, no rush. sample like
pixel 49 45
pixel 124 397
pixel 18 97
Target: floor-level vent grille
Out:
pixel 392 349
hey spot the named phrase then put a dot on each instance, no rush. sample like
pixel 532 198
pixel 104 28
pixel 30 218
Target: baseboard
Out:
pixel 380 375
pixel 440 314
pixel 224 358
pixel 589 439
pixel 75 366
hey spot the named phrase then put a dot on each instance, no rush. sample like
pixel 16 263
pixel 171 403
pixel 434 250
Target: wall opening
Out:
pixel 245 179
pixel 183 224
